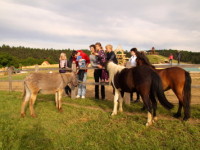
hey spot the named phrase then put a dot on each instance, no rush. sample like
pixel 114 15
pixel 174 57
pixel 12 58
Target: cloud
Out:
pixel 77 24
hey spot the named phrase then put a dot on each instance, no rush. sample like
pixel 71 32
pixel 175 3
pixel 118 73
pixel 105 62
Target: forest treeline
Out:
pixel 25 56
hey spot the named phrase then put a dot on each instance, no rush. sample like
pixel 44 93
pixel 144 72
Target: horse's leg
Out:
pixel 179 95
pixel 138 97
pixel 60 92
pixel 121 96
pixel 148 106
pixel 25 101
pixel 154 105
pixel 56 99
pixel 31 103
pixel 116 97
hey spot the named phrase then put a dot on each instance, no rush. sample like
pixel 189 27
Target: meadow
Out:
pixel 87 124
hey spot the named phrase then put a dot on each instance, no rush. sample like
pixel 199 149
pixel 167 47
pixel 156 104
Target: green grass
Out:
pixel 87 124
pixel 156 59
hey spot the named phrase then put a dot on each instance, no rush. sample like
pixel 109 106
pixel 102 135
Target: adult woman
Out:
pixel 96 55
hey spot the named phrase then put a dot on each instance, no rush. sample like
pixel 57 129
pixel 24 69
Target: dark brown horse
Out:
pixel 142 79
pixel 174 78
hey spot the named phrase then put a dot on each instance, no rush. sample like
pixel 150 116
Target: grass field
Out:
pixel 87 124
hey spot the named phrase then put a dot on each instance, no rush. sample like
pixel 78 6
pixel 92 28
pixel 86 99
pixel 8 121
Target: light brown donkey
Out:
pixel 46 83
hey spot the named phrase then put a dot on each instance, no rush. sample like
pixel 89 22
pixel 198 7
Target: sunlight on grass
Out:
pixel 87 124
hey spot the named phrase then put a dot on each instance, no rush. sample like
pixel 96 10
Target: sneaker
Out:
pixel 77 96
pixel 83 97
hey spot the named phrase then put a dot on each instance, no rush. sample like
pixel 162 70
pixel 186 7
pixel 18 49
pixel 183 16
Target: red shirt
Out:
pixel 84 56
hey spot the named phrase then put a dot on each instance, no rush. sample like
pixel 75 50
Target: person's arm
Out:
pixel 92 60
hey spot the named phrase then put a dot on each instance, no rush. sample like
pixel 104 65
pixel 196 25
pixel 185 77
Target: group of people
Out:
pixel 97 59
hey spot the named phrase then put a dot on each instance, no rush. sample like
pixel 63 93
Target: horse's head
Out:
pixel 143 60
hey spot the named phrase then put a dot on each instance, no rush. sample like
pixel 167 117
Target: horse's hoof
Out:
pixel 33 116
pixel 177 115
pixel 113 114
pixel 148 124
pixel 143 109
pixel 155 118
pixel 60 110
pixel 185 118
pixel 22 115
pixel 120 110
pixel 136 101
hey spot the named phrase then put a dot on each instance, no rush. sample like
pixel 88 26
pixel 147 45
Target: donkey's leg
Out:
pixel 25 101
pixel 60 92
pixel 121 96
pixel 116 97
pixel 31 103
pixel 56 99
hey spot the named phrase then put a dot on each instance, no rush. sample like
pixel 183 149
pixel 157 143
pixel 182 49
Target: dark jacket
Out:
pixel 111 57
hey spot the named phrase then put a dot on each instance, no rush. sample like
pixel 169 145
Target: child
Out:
pixel 62 63
pixel 81 64
pixel 110 55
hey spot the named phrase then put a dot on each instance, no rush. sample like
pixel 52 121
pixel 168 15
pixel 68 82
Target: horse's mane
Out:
pixel 144 59
pixel 113 69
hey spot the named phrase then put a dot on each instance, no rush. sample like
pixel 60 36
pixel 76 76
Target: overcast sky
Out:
pixel 75 24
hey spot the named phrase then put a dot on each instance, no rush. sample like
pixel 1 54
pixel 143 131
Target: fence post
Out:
pixel 36 68
pixel 73 89
pixel 127 95
pixel 10 79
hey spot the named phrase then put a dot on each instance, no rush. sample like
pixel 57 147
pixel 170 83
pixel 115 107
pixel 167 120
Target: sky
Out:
pixel 76 24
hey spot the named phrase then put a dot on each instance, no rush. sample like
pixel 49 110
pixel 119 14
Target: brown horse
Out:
pixel 142 79
pixel 174 78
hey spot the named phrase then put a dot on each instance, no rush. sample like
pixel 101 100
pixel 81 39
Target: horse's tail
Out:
pixel 187 94
pixel 157 90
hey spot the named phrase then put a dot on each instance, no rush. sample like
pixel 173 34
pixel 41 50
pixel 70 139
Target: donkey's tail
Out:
pixel 187 94
pixel 24 92
pixel 157 89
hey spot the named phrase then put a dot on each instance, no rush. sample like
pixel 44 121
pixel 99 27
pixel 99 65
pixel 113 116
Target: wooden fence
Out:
pixel 74 69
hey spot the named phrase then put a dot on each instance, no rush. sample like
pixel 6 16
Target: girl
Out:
pixel 63 63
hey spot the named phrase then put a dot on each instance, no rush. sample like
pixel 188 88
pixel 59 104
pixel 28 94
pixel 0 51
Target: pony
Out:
pixel 174 78
pixel 45 83
pixel 142 79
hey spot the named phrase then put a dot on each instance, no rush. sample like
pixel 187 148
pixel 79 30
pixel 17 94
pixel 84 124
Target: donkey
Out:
pixel 46 83
pixel 142 79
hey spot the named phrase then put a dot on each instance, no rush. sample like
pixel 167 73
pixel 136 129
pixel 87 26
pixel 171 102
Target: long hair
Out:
pixel 63 56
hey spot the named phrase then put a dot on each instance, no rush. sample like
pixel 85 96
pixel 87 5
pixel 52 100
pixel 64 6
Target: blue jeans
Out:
pixel 81 87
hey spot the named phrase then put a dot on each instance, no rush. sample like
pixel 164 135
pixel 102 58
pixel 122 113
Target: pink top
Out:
pixel 171 57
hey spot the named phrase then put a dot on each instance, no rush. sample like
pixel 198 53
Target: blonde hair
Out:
pixel 63 56
pixel 109 46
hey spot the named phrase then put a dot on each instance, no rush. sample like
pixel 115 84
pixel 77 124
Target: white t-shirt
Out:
pixel 133 60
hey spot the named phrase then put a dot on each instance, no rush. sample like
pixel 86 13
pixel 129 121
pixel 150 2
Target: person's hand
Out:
pixel 96 54
pixel 99 66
